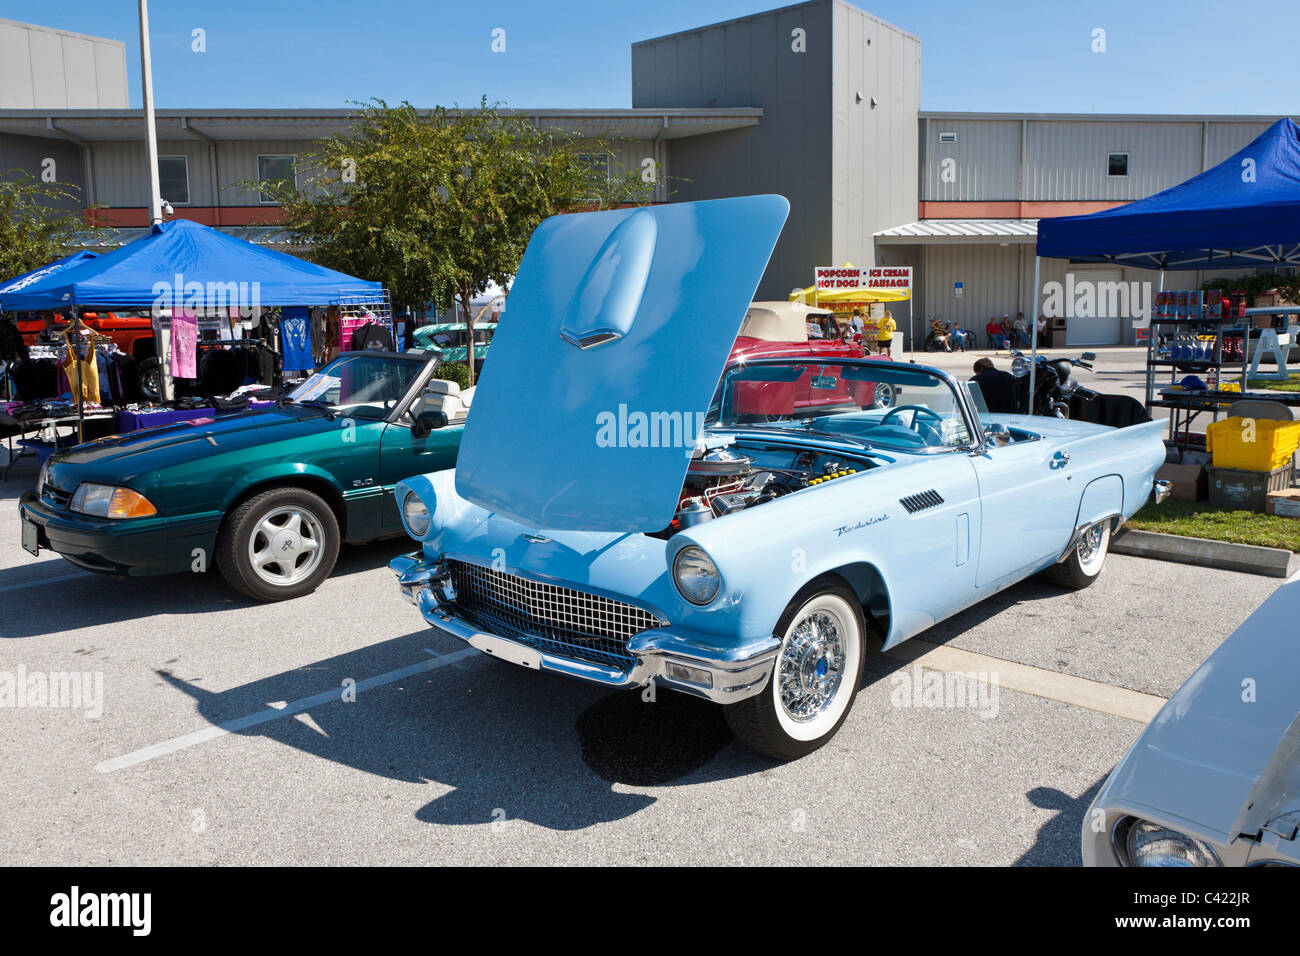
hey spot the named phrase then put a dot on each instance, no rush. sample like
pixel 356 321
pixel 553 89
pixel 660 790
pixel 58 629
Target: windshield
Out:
pixel 454 338
pixel 880 403
pixel 361 385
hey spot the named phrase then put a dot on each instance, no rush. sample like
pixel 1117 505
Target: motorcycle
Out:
pixel 1056 391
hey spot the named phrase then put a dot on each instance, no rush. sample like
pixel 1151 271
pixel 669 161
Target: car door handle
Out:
pixel 1060 459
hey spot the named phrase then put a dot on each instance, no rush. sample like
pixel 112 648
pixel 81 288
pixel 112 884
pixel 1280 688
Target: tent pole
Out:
pixel 1033 335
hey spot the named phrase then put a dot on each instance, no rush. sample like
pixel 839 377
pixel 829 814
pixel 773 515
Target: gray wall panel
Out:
pixel 750 63
pixel 986 160
pixel 42 68
pixel 28 153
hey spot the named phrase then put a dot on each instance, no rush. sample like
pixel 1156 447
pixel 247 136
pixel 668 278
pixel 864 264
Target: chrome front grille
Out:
pixel 549 617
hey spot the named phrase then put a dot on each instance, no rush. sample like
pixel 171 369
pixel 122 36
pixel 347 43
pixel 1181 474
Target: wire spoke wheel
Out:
pixel 811 666
pixel 814 678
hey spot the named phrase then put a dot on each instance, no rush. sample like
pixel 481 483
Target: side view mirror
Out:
pixel 426 422
pixel 1089 356
pixel 999 434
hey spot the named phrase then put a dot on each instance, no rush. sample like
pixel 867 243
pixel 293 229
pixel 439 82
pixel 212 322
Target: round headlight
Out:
pixel 696 575
pixel 1143 843
pixel 1019 366
pixel 415 514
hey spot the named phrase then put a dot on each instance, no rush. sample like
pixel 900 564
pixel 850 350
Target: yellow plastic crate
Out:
pixel 1273 445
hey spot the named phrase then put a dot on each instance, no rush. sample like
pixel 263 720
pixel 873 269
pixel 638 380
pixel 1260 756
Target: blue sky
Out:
pixel 1161 56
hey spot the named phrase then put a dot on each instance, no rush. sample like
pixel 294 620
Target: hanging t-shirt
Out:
pixel 295 338
pixel 82 370
pixel 185 339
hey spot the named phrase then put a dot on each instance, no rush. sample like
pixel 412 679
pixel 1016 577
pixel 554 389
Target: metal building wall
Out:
pixel 1064 159
pixel 1067 159
pixel 874 184
pixel 30 153
pixel 750 62
pixel 42 68
pixel 985 160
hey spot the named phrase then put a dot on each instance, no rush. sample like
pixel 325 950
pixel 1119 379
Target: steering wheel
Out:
pixel 915 409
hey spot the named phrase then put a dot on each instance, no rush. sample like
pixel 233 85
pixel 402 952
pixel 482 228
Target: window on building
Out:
pixel 598 163
pixel 1117 164
pixel 274 169
pixel 947 137
pixel 174 179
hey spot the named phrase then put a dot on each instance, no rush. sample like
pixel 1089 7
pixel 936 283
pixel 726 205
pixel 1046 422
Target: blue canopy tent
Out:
pixel 1243 213
pixel 1240 214
pixel 18 283
pixel 180 253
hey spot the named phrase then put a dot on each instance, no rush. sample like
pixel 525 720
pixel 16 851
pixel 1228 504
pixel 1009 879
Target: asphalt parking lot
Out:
pixel 225 736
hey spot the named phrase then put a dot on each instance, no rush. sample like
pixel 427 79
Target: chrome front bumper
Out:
pixel 663 657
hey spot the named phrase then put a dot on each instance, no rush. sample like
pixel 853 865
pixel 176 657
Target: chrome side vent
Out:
pixel 922 501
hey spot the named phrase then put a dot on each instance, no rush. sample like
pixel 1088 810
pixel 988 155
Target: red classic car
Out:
pixel 791 329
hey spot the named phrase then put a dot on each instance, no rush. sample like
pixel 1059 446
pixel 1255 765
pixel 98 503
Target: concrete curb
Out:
pixel 1252 559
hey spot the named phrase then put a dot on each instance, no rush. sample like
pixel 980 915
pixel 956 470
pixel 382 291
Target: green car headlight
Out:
pixel 416 515
pixel 110 501
pixel 696 575
pixel 1143 843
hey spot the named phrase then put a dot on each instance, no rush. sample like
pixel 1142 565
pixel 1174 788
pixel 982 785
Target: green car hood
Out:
pixel 141 459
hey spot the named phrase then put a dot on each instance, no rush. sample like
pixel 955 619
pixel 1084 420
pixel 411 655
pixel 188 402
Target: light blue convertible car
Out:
pixel 619 515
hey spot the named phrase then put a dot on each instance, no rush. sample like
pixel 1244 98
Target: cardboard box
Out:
pixel 1285 503
pixel 1190 481
pixel 1246 490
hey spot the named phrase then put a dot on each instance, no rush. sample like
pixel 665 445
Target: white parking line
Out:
pixel 1079 691
pixel 274 713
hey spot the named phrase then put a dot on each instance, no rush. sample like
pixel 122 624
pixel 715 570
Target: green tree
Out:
pixel 438 204
pixel 34 228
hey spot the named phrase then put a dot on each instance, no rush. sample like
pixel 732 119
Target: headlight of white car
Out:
pixel 110 501
pixel 1143 843
pixel 415 513
pixel 696 575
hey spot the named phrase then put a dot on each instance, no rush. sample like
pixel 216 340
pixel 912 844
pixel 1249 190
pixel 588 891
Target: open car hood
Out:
pixel 620 324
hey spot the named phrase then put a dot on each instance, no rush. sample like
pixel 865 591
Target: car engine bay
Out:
pixel 723 480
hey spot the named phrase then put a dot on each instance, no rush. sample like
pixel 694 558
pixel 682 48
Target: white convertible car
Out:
pixel 1214 780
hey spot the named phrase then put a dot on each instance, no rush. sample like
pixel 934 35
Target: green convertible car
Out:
pixel 267 495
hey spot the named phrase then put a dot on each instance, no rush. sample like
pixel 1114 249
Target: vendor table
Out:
pixel 133 421
pixel 1184 406
pixel 34 449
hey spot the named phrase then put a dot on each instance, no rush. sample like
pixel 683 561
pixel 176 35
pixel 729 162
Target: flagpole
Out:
pixel 163 336
pixel 1033 336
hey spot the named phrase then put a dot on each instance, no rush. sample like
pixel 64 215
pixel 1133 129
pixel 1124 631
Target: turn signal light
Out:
pixel 127 504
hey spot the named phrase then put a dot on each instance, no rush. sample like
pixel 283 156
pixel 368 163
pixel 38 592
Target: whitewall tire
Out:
pixel 814 679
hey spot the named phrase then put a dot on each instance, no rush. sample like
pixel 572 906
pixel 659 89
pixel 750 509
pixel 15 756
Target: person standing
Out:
pixel 885 337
